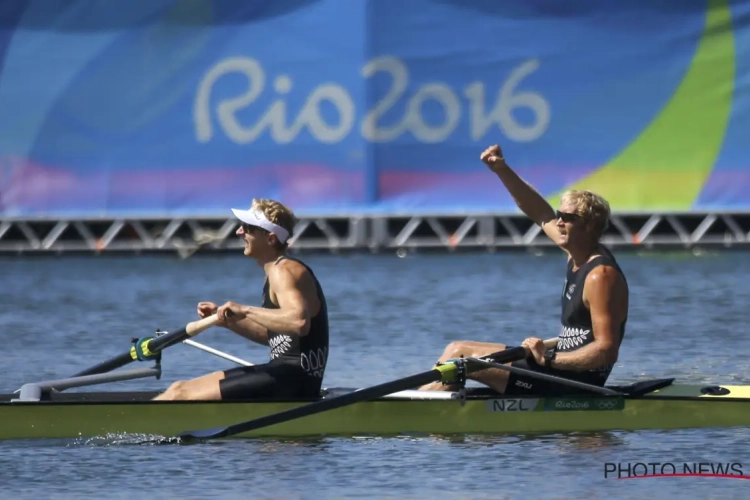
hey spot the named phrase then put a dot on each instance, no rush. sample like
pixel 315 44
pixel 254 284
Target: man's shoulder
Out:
pixel 290 269
pixel 605 284
pixel 605 275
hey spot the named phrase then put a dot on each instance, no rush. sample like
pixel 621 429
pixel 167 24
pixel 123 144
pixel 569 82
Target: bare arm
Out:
pixel 251 330
pixel 528 199
pixel 245 327
pixel 605 293
pixel 297 297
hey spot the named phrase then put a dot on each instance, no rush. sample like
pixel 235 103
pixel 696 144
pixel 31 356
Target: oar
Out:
pixel 445 372
pixel 543 376
pixel 153 345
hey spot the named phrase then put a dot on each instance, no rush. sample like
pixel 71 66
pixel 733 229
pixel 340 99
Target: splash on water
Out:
pixel 125 439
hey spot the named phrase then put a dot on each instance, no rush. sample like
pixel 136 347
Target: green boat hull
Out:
pixel 74 415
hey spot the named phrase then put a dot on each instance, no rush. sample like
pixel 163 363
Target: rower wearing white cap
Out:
pixel 292 319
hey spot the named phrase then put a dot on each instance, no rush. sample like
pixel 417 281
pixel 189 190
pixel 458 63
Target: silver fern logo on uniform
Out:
pixel 280 344
pixel 571 289
pixel 572 337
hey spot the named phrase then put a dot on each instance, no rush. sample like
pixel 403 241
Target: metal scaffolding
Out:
pixel 490 232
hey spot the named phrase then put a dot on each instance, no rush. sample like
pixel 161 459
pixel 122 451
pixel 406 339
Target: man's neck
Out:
pixel 582 254
pixel 268 261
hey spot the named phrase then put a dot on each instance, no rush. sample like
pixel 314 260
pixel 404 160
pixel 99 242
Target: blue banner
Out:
pixel 166 107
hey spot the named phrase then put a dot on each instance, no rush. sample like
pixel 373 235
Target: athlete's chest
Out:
pixel 573 304
pixel 572 289
pixel 268 298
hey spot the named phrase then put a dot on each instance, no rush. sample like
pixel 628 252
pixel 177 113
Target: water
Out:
pixel 390 317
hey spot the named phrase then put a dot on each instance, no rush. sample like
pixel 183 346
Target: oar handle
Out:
pixel 551 343
pixel 190 330
pixel 195 327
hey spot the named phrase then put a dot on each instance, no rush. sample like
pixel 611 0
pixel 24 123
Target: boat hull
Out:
pixel 413 412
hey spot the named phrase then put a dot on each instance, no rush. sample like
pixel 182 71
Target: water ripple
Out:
pixel 390 317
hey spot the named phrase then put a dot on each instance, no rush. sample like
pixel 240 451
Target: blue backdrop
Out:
pixel 164 107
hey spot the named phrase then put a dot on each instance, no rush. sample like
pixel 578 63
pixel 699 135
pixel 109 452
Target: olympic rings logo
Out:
pixel 607 405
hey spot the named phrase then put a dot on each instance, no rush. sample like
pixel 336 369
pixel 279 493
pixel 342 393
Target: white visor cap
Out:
pixel 258 219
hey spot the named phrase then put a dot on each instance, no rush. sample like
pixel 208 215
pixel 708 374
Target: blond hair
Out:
pixel 278 213
pixel 591 207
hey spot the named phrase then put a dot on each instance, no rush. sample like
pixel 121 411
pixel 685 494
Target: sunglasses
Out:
pixel 567 216
pixel 251 229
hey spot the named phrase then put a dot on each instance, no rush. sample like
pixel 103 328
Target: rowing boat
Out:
pixel 653 404
pixel 43 410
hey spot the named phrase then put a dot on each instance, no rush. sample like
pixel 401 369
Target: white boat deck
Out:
pixel 409 394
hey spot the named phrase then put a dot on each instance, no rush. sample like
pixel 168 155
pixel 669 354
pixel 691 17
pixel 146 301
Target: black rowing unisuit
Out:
pixel 309 351
pixel 576 328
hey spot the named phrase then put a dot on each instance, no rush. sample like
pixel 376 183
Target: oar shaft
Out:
pixel 107 366
pixel 191 329
pixel 543 376
pixel 441 372
pixel 376 391
pixel 373 392
pixel 319 406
